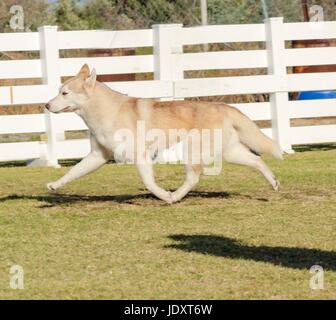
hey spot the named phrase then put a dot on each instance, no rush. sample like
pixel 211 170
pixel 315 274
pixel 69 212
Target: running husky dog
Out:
pixel 107 112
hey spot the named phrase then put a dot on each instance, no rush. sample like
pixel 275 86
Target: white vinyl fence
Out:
pixel 168 63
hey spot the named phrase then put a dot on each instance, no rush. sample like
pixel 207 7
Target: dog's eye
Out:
pixel 64 93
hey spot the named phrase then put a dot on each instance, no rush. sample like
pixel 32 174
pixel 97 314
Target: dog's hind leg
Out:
pixel 240 154
pixel 193 173
pixel 147 175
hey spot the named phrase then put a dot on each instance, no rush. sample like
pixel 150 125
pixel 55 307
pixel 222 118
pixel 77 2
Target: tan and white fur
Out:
pixel 105 111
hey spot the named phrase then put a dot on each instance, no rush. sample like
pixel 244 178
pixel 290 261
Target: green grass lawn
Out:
pixel 105 236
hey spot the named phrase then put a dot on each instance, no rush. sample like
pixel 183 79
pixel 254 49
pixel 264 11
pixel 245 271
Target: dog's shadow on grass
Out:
pixel 219 246
pixel 59 199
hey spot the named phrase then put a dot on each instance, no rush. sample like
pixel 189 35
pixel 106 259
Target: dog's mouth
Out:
pixel 66 109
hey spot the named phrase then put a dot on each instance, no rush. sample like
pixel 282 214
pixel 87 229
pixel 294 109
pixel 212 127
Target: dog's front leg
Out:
pixel 90 163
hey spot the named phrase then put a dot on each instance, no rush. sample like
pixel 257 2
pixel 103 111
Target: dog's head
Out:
pixel 75 92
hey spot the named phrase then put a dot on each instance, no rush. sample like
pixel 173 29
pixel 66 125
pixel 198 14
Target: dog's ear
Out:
pixel 90 81
pixel 84 72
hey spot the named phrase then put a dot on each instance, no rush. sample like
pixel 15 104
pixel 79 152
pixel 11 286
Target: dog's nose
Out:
pixel 47 106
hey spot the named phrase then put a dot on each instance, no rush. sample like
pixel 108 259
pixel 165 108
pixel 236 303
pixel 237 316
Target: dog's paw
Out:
pixel 276 185
pixel 167 197
pixel 173 197
pixel 52 186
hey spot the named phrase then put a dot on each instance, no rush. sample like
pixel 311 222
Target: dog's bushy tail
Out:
pixel 251 136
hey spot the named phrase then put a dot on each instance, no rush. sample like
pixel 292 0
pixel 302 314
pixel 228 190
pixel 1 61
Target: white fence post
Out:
pixel 166 48
pixel 49 55
pixel 275 46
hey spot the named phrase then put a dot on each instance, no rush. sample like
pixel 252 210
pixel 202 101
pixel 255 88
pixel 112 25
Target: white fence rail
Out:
pixel 168 63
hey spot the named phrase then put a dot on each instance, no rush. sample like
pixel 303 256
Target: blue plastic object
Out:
pixel 313 95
